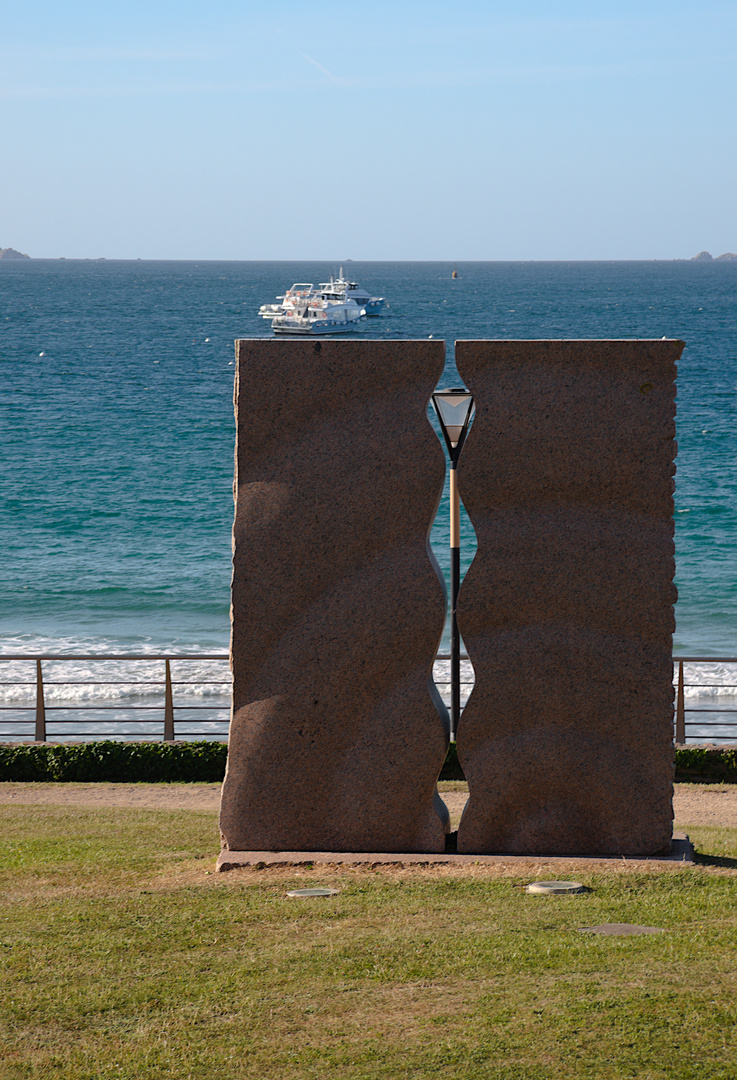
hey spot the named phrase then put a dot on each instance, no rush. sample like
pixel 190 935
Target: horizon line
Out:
pixel 455 262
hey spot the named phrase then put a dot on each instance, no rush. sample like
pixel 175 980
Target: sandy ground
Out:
pixel 694 804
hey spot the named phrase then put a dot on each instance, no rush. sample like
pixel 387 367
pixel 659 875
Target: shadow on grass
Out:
pixel 714 860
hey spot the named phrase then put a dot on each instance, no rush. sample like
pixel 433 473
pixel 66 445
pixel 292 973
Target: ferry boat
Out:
pixel 300 293
pixel 316 318
pixel 341 289
pixel 327 294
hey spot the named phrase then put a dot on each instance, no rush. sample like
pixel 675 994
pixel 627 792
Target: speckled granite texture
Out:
pixel 567 610
pixel 335 742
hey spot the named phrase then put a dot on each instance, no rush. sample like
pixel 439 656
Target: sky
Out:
pixel 464 130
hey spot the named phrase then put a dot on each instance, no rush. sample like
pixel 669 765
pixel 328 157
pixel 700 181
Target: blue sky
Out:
pixel 333 130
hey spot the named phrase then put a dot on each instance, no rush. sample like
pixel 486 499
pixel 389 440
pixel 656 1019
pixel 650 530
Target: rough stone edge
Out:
pixel 681 851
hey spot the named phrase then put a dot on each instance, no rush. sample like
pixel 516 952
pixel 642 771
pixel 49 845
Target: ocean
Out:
pixel 116 450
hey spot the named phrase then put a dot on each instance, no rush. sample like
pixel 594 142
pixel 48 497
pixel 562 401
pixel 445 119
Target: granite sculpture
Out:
pixel 567 609
pixel 336 740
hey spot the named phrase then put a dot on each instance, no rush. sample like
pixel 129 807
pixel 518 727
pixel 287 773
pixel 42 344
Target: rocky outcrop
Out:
pixel 705 256
pixel 11 253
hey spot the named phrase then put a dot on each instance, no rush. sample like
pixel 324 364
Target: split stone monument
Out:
pixel 567 609
pixel 337 735
pixel 336 741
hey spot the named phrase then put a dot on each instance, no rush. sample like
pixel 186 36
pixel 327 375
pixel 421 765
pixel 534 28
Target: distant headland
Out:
pixel 705 256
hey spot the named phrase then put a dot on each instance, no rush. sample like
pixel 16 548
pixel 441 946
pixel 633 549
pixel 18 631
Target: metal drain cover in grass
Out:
pixel 306 894
pixel 551 888
pixel 620 929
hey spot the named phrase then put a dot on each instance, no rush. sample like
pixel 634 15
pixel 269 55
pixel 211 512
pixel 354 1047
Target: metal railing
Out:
pixel 166 709
pixel 170 689
pixel 682 710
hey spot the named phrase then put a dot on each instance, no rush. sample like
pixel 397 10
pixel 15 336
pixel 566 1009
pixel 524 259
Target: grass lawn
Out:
pixel 124 956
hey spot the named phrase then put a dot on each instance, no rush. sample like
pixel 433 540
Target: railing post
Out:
pixel 168 706
pixel 40 734
pixel 680 708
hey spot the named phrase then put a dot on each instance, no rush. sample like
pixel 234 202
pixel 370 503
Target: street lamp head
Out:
pixel 453 408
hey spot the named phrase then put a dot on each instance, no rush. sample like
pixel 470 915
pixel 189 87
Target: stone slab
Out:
pixel 679 851
pixel 567 609
pixel 335 740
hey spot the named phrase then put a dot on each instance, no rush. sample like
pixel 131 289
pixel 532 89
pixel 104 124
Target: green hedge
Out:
pixel 696 763
pixel 116 762
pixel 452 769
pixel 154 762
pixel 707 763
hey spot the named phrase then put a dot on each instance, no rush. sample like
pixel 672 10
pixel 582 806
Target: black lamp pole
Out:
pixel 454 408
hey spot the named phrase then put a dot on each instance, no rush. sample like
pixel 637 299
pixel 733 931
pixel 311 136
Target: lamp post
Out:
pixel 453 408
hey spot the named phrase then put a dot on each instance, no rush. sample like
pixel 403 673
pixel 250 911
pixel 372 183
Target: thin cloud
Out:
pixel 324 70
pixel 396 82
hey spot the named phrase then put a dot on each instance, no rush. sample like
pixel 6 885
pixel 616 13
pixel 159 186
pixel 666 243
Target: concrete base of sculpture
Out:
pixel 679 851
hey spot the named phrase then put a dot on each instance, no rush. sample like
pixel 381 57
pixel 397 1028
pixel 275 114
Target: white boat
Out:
pixel 300 293
pixel 317 318
pixel 341 289
pixel 327 294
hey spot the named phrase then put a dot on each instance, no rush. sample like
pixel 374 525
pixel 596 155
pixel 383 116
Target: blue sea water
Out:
pixel 116 426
